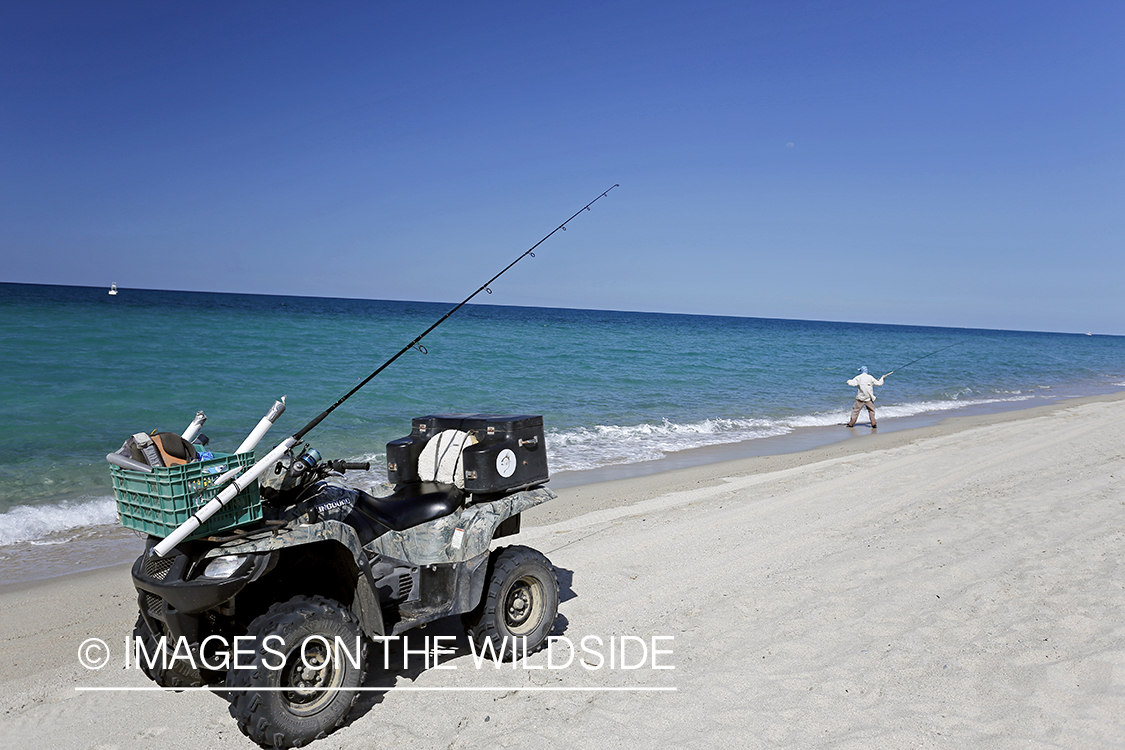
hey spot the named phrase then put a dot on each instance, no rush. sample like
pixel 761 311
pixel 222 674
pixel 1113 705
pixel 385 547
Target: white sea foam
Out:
pixel 603 445
pixel 901 410
pixel 28 523
pixel 606 445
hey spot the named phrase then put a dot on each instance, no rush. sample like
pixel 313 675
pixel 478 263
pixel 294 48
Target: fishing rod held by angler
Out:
pixel 252 474
pixel 936 351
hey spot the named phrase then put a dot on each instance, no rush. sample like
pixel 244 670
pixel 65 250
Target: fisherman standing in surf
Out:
pixel 865 396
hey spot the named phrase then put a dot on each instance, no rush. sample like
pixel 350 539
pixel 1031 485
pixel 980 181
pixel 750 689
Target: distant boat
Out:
pixel 113 288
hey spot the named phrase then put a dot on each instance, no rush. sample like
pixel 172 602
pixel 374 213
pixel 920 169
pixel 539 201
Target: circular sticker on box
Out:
pixel 506 463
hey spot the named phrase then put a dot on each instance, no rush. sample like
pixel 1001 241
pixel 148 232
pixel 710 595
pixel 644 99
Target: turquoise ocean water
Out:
pixel 83 370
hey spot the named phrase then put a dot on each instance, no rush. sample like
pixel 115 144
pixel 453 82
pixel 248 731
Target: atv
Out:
pixel 328 563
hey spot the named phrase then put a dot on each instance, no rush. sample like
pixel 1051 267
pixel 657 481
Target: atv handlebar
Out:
pixel 341 466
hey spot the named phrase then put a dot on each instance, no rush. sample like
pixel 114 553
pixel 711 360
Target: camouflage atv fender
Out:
pixel 460 536
pixel 293 535
pixel 366 601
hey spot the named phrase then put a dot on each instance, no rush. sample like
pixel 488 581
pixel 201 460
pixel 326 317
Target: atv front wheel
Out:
pixel 308 654
pixel 163 670
pixel 519 605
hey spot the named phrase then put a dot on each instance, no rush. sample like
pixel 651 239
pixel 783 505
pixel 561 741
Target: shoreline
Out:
pixel 108 545
pixel 748 459
pixel 676 472
pixel 802 439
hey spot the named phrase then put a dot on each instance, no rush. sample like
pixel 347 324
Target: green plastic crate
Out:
pixel 159 502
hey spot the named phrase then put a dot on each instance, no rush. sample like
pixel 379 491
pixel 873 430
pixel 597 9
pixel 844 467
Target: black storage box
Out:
pixel 510 453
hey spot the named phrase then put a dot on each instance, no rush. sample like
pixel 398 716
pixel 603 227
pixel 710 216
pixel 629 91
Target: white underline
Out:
pixel 404 689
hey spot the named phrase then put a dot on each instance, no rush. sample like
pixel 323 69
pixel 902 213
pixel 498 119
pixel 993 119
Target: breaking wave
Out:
pixel 606 445
pixel 32 523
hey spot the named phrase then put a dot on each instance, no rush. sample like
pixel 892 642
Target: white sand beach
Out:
pixel 955 586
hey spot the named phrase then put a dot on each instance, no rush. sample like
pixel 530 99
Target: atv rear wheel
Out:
pixel 295 649
pixel 519 605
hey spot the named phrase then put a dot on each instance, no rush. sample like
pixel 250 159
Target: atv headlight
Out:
pixel 224 567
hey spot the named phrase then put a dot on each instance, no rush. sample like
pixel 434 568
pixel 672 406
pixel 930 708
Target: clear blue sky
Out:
pixel 930 163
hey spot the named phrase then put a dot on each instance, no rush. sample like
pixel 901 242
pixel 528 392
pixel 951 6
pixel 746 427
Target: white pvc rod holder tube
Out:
pixel 195 426
pixel 263 426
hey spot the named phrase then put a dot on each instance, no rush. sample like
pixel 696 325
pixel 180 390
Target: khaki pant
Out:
pixel 857 407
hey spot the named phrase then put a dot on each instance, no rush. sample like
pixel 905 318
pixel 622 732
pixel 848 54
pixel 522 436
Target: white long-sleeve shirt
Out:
pixel 866 384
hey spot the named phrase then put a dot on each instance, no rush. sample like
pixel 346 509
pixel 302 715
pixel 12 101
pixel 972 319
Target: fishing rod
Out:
pixel 937 351
pixel 252 474
pixel 483 287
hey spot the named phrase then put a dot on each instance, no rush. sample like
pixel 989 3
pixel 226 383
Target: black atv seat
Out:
pixel 411 504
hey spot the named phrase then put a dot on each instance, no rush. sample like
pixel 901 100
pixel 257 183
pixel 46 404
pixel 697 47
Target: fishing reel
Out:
pixel 289 474
pixel 293 473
